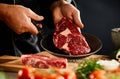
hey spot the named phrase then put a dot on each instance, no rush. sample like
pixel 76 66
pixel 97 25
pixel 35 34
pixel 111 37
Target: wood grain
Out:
pixel 14 64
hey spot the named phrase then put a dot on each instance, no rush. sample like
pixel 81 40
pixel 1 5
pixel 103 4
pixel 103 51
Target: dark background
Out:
pixel 99 17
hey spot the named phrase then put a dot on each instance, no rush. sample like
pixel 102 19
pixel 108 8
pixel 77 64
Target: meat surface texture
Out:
pixel 42 61
pixel 68 37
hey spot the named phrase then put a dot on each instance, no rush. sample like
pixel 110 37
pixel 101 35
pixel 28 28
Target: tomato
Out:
pixel 98 74
pixel 31 73
pixel 69 75
pixel 37 75
pixel 54 76
pixel 116 70
pixel 25 73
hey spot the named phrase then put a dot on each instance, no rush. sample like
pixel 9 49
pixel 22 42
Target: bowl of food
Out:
pixel 115 35
pixel 94 43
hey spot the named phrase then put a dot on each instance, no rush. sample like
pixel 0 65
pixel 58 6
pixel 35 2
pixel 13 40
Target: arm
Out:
pixel 18 18
pixel 62 8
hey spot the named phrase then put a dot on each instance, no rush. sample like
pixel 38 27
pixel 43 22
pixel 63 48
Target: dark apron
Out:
pixel 13 44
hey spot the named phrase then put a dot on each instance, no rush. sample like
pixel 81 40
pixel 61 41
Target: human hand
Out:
pixel 18 18
pixel 62 9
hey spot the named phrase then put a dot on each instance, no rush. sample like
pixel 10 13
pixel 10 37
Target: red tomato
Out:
pixel 25 73
pixel 98 74
pixel 54 76
pixel 69 75
pixel 30 73
pixel 116 70
pixel 37 75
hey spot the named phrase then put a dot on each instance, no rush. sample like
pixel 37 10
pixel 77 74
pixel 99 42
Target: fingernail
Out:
pixel 41 17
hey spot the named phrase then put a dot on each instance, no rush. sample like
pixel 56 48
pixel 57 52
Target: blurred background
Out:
pixel 99 17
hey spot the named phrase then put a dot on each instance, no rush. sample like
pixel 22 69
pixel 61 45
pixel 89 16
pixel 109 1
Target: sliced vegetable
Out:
pixel 32 73
pixel 86 68
pixel 105 74
pixel 69 75
pixel 25 73
pixel 109 64
pixel 98 74
pixel 115 54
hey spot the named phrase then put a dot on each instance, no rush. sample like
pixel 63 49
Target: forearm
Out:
pixel 3 8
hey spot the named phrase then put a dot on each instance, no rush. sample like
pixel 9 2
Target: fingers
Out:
pixel 72 13
pixel 32 29
pixel 77 19
pixel 35 16
pixel 57 15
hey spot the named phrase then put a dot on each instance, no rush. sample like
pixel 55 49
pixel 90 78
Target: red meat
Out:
pixel 42 61
pixel 68 37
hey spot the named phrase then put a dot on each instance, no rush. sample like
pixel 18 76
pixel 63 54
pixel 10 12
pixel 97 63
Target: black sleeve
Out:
pixel 50 2
pixel 74 3
pixel 7 1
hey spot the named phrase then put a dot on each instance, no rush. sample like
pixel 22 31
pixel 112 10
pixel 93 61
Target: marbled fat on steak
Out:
pixel 68 37
pixel 43 61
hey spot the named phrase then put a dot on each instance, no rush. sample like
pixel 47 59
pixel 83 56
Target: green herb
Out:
pixel 86 67
pixel 113 55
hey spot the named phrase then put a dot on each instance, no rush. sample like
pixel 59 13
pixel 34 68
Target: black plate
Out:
pixel 94 43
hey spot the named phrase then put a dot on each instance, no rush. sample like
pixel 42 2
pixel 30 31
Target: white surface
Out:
pixel 109 64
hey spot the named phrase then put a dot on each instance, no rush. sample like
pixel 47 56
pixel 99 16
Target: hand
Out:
pixel 62 9
pixel 18 18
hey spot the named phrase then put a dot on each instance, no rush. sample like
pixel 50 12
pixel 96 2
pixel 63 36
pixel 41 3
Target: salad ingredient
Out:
pixel 32 73
pixel 98 74
pixel 109 64
pixel 115 54
pixel 105 74
pixel 86 68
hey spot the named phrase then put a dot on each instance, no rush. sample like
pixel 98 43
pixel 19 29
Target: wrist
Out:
pixel 58 3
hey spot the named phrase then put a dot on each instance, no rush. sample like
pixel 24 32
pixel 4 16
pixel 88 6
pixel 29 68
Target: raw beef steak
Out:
pixel 67 37
pixel 42 61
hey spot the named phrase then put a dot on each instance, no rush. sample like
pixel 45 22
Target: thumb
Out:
pixel 77 19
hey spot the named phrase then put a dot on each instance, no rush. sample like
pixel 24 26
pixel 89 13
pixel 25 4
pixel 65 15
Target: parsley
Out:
pixel 86 67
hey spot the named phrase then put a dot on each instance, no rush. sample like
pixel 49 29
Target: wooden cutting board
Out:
pixel 7 58
pixel 14 64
